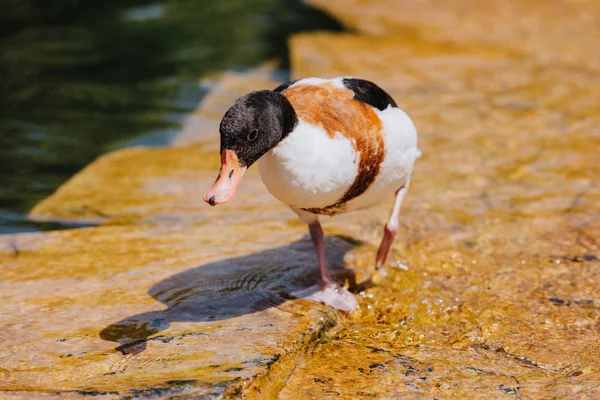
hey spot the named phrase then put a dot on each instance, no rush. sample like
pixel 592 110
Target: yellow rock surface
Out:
pixel 163 297
pixel 553 31
pixel 493 290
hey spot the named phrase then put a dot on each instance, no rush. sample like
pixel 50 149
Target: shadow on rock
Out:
pixel 228 289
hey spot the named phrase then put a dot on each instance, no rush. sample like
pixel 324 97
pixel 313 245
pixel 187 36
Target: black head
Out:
pixel 255 124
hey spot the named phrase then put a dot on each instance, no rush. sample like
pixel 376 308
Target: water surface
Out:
pixel 80 78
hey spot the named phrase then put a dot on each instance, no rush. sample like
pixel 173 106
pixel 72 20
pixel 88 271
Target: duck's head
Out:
pixel 256 123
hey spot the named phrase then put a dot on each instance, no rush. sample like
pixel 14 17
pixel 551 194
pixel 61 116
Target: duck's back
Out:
pixel 352 146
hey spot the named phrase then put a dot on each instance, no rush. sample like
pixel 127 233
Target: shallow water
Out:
pixel 82 78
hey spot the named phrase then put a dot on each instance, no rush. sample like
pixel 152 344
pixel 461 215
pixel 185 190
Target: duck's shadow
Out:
pixel 230 288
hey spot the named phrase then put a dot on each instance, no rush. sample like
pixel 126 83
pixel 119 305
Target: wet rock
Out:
pixel 553 32
pixel 119 308
pixel 132 184
pixel 490 301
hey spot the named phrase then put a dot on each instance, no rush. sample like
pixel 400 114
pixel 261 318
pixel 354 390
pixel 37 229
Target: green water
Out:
pixel 81 77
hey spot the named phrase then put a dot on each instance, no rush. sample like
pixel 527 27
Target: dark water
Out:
pixel 81 77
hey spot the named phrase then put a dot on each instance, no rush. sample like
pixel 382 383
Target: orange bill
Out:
pixel 230 176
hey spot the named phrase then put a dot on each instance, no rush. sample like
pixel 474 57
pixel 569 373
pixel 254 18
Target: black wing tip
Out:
pixel 369 93
pixel 284 86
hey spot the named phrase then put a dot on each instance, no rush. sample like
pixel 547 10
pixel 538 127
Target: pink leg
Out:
pixel 329 291
pixel 318 239
pixel 391 228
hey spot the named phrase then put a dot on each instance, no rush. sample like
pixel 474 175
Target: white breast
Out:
pixel 309 169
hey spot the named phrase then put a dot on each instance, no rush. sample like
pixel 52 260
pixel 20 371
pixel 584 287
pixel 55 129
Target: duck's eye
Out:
pixel 253 134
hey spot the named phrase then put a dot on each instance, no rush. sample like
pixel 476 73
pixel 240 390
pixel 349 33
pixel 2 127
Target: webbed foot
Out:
pixel 331 294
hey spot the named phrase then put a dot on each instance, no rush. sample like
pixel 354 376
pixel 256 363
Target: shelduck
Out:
pixel 323 147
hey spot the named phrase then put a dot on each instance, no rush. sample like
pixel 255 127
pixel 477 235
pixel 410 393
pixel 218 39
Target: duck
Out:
pixel 324 147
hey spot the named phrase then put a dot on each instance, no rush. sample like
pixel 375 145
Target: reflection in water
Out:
pixel 228 289
pixel 78 77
